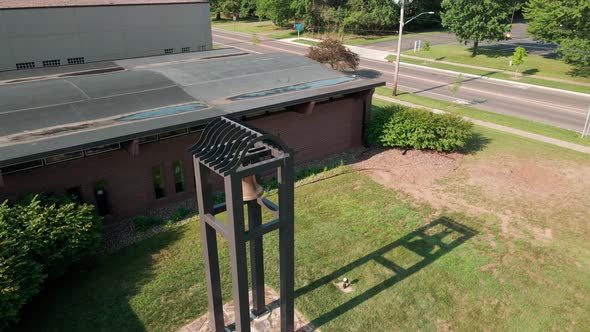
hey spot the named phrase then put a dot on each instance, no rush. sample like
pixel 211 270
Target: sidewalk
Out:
pixel 567 145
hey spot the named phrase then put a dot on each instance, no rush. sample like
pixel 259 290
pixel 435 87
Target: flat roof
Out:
pixel 21 4
pixel 53 110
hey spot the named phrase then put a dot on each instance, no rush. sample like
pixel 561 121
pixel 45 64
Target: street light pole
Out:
pixel 399 41
pixel 399 46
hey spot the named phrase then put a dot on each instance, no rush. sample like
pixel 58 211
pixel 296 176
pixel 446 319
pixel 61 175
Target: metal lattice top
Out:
pixel 225 145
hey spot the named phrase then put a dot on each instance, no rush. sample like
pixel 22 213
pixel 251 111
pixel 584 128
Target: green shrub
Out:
pixel 409 128
pixel 180 214
pixel 426 45
pixel 143 223
pixel 39 238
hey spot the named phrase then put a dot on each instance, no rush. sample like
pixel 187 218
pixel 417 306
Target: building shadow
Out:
pixel 431 242
pixel 95 295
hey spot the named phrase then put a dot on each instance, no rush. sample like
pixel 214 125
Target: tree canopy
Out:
pixel 565 23
pixel 477 20
pixel 354 16
pixel 332 52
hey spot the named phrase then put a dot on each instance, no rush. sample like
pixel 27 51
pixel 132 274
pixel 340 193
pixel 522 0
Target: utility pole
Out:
pixel 402 4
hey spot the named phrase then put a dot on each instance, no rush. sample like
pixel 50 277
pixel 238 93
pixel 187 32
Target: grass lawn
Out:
pixel 413 266
pixel 501 119
pixel 306 42
pixel 534 65
pixel 245 25
pixel 496 74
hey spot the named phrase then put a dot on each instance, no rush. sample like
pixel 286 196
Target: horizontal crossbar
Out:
pixel 262 229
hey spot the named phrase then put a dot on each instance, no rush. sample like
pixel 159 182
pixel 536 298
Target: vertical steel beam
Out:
pixel 256 259
pixel 237 251
pixel 209 243
pixel 286 245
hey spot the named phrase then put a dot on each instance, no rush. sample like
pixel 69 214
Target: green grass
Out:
pixel 248 26
pixel 306 42
pixel 497 59
pixel 347 225
pixel 496 74
pixel 501 119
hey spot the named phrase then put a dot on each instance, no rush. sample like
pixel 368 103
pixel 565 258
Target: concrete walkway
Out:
pixel 563 144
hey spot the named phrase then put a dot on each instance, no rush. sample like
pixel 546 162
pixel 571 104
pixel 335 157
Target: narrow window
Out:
pixel 169 51
pixel 103 206
pixel 178 176
pixel 158 180
pixel 75 193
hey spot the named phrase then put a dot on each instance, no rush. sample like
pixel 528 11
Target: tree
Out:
pixel 454 88
pixel 518 58
pixel 278 11
pixel 332 52
pixel 477 20
pixel 565 23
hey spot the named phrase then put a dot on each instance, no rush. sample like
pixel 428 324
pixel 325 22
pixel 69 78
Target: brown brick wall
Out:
pixel 332 127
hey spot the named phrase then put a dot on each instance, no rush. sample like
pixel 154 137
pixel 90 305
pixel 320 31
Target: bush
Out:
pixel 427 45
pixel 143 223
pixel 409 128
pixel 39 238
pixel 180 214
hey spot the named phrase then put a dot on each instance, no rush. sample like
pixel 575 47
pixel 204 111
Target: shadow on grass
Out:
pixel 531 71
pixel 95 296
pixel 476 143
pixel 431 242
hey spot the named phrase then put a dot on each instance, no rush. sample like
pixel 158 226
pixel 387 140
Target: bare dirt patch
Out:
pixel 413 172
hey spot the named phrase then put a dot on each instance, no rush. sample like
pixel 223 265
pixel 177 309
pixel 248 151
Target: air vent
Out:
pixel 52 63
pixel 25 65
pixel 76 61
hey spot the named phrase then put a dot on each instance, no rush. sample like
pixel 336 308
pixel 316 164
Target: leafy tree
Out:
pixel 477 20
pixel 40 238
pixel 456 86
pixel 518 58
pixel 278 11
pixel 565 23
pixel 332 52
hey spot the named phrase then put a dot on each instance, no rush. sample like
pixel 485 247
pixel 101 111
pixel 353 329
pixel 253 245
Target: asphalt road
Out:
pixel 557 108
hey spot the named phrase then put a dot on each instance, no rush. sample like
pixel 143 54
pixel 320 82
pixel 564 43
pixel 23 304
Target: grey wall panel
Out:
pixel 101 33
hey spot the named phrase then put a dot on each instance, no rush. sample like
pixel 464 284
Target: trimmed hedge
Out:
pixel 411 128
pixel 39 239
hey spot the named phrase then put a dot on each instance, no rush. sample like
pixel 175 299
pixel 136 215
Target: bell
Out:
pixel 251 190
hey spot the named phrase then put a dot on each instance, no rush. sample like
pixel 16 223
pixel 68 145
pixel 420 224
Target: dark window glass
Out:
pixel 173 133
pixel 178 176
pixel 102 149
pixel 63 157
pixel 103 206
pixel 147 139
pixel 22 166
pixel 158 180
pixel 75 194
